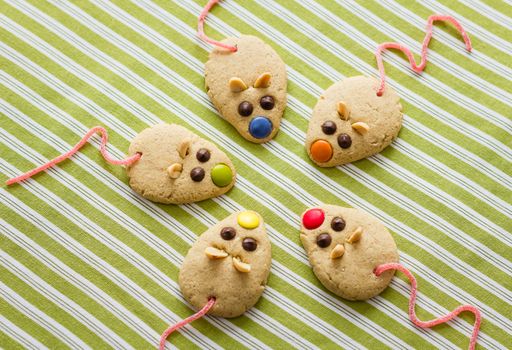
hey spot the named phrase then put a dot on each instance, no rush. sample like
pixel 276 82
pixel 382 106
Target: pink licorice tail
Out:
pixel 68 154
pixel 427 324
pixel 200 28
pixel 182 323
pixel 424 49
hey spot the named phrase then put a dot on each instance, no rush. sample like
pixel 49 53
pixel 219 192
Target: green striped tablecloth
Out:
pixel 86 263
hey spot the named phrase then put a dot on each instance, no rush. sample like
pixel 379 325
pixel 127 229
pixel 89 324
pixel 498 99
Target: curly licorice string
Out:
pixel 68 154
pixel 428 324
pixel 200 28
pixel 428 35
pixel 182 323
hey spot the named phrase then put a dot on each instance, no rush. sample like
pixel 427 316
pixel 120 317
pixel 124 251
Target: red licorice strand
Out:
pixel 428 324
pixel 424 49
pixel 186 321
pixel 68 154
pixel 200 28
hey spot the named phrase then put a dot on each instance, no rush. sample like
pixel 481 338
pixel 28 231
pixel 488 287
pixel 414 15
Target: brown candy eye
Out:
pixel 329 127
pixel 267 102
pixel 203 155
pixel 245 109
pixel 344 140
pixel 228 233
pixel 338 224
pixel 249 244
pixel 324 240
pixel 197 174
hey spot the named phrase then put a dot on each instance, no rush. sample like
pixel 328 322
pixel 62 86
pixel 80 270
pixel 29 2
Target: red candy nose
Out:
pixel 313 218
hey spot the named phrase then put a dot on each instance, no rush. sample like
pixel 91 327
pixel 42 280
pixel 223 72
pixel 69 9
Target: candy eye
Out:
pixel 338 224
pixel 245 109
pixel 324 240
pixel 267 102
pixel 344 140
pixel 329 127
pixel 249 244
pixel 197 174
pixel 203 155
pixel 228 233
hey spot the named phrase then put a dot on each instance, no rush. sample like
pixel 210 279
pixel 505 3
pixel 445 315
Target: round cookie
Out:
pixel 344 246
pixel 177 166
pixel 248 87
pixel 351 122
pixel 231 262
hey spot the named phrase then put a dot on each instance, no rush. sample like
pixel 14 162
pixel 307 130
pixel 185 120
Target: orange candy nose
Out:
pixel 321 151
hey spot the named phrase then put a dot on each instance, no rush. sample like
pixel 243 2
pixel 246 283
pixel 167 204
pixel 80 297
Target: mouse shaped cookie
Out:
pixel 248 87
pixel 351 122
pixel 344 246
pixel 231 263
pixel 177 166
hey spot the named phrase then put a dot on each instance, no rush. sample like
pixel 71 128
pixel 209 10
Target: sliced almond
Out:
pixel 355 236
pixel 343 111
pixel 338 251
pixel 263 81
pixel 241 266
pixel 174 170
pixel 183 148
pixel 214 253
pixel 361 127
pixel 237 84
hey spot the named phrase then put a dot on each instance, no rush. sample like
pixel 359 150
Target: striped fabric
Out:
pixel 86 263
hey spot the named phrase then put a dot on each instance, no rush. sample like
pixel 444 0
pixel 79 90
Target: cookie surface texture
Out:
pixel 345 248
pixel 350 122
pixel 177 166
pixel 231 262
pixel 248 87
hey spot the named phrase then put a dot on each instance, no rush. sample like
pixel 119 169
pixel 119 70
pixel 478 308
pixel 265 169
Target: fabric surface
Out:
pixel 86 263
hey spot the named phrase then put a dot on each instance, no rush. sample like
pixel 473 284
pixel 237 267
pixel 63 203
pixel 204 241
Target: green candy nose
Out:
pixel 221 175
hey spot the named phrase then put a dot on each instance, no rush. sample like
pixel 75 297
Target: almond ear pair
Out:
pixel 174 170
pixel 237 85
pixel 344 114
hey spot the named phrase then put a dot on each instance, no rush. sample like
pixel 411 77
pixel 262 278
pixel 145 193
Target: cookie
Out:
pixel 350 122
pixel 177 166
pixel 248 87
pixel 230 262
pixel 344 246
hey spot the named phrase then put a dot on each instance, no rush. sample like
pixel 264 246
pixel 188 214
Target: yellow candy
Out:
pixel 248 219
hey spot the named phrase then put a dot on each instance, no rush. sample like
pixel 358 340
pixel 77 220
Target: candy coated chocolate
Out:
pixel 313 218
pixel 221 175
pixel 260 127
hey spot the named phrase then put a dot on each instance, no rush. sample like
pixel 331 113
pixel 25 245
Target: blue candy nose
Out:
pixel 260 127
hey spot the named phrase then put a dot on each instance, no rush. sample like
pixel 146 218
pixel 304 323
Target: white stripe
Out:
pixel 123 220
pixel 62 301
pixel 441 61
pixel 31 311
pixel 489 38
pixel 19 335
pixel 237 209
pixel 338 51
pixel 418 234
pixel 486 10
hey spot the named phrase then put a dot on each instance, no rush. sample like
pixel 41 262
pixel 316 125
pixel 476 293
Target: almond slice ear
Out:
pixel 183 148
pixel 361 127
pixel 214 253
pixel 263 81
pixel 343 111
pixel 174 170
pixel 237 85
pixel 355 236
pixel 241 266
pixel 337 252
